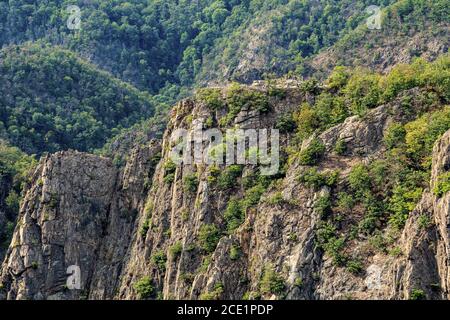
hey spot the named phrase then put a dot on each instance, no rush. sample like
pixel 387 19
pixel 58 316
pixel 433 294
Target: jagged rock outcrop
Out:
pixel 79 211
pixel 122 226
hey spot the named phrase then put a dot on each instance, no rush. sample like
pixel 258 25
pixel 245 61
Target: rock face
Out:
pixel 80 211
pixel 5 184
pixel 122 226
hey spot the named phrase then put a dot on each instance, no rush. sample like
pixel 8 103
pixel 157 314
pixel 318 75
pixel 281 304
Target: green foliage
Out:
pixel 190 183
pixel 271 282
pixel 312 153
pixel 286 123
pixel 144 288
pixel 422 133
pixel 340 148
pixel 276 199
pixel 205 264
pixel 323 206
pixel 229 176
pixel 353 92
pixel 402 202
pixel 211 97
pixel 145 227
pixel 176 249
pixel 44 112
pixel 159 259
pixel 311 178
pixel 252 196
pixel 327 239
pixel 345 202
pixel 442 185
pixel 424 221
pixel 395 135
pixel 359 179
pixel 239 97
pixel 235 252
pixel 208 236
pixel 298 282
pixel 354 266
pixel 169 171
pixel 234 215
pixel 213 295
pixel 214 172
pixel 417 294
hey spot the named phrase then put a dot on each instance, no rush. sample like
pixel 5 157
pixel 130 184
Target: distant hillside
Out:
pixel 51 100
pixel 409 29
pixel 156 44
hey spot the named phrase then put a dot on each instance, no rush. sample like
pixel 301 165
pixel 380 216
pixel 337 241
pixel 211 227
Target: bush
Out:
pixel 211 97
pixel 144 288
pixel 341 147
pixel 209 236
pixel 239 97
pixel 169 178
pixel 272 282
pixel 276 199
pixel 345 202
pixel 169 171
pixel 298 282
pixel 252 196
pixel 394 136
pixel 359 179
pixel 307 120
pixel 402 202
pixel 327 239
pixel 311 178
pixel 379 172
pixel 354 266
pixel 169 167
pixel 159 260
pixel 443 184
pixel 323 206
pixel 229 177
pixel 417 294
pixel 234 215
pixel 214 172
pixel 309 86
pixel 424 221
pixel 235 252
pixel 422 133
pixel 145 227
pixel 215 294
pixel 312 153
pixel 176 249
pixel 286 123
pixel 190 183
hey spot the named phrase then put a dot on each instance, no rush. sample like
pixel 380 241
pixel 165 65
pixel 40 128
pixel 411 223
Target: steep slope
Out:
pixel 79 211
pixel 359 208
pixel 168 46
pixel 408 29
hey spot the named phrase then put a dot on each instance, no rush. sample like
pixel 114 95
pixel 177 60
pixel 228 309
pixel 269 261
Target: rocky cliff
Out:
pixel 155 230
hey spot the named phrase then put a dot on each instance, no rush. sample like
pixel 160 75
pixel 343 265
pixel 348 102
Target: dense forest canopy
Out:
pixel 156 43
pixel 51 100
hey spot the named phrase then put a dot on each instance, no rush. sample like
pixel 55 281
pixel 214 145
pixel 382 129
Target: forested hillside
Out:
pixel 52 100
pixel 165 44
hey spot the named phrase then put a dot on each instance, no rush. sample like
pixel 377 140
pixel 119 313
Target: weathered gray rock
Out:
pixel 115 223
pixel 80 211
